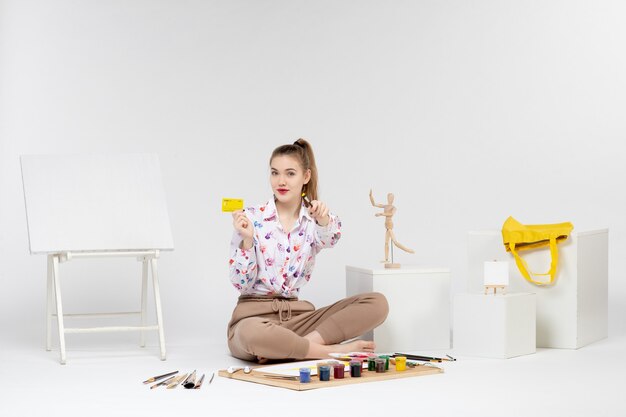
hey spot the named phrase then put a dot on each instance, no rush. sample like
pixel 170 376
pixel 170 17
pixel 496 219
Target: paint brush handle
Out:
pixel 190 381
pixel 200 381
pixel 419 357
pixel 176 381
pixel 164 382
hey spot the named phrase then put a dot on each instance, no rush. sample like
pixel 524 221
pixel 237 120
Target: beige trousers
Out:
pixel 274 328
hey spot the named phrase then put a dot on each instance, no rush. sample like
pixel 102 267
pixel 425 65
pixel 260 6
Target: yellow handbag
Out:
pixel 519 237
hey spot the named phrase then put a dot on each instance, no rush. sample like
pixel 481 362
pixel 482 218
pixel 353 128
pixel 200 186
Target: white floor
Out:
pixel 104 379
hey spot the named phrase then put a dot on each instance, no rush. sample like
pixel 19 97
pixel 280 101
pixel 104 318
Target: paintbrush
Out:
pixel 176 381
pixel 164 382
pixel 190 381
pixel 425 358
pixel 284 377
pixel 199 383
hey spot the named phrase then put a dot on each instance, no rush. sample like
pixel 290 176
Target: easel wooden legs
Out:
pixel 144 299
pixel 495 289
pixel 54 287
pixel 148 260
pixel 157 304
pixel 49 304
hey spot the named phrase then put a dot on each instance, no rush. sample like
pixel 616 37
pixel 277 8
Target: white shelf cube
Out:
pixel 494 326
pixel 419 305
pixel 574 311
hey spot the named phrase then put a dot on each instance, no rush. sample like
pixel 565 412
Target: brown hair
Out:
pixel 302 150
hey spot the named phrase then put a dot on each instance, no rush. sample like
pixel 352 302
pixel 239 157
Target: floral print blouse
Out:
pixel 280 261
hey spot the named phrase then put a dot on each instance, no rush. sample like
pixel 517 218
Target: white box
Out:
pixel 494 326
pixel 419 305
pixel 574 311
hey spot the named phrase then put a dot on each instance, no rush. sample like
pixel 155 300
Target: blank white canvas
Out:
pixel 95 203
pixel 496 273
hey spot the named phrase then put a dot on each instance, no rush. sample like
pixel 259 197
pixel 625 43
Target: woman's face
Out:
pixel 287 178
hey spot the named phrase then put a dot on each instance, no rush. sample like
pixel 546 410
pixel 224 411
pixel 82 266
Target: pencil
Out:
pixel 156 378
pixel 164 382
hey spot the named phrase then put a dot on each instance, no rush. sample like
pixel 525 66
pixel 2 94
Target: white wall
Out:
pixel 467 111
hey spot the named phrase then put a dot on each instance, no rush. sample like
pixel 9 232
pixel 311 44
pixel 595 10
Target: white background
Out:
pixel 469 111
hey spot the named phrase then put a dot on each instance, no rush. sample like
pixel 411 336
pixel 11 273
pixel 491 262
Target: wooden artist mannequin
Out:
pixel 388 211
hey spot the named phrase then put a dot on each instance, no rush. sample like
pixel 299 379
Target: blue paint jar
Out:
pixel 324 373
pixel 305 375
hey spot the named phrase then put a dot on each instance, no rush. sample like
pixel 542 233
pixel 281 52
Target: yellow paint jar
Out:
pixel 400 363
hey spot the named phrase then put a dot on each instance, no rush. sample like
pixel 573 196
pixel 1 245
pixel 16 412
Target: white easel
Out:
pixel 54 298
pixel 117 202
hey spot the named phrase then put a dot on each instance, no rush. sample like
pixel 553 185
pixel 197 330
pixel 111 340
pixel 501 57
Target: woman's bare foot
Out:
pixel 357 346
pixel 319 351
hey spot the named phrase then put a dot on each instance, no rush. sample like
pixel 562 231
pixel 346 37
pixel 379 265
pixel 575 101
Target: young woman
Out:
pixel 272 256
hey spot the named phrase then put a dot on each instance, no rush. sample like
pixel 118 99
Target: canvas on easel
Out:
pixel 86 206
pixel 496 277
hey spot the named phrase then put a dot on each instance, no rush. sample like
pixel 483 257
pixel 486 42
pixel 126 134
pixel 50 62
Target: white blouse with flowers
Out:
pixel 280 262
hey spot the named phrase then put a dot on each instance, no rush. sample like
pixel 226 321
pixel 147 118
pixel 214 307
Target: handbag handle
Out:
pixel 523 268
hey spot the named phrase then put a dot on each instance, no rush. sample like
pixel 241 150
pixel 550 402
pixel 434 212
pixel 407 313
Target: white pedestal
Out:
pixel 494 326
pixel 574 311
pixel 419 305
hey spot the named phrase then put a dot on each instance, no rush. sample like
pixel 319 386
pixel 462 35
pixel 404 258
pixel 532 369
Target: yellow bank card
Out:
pixel 232 204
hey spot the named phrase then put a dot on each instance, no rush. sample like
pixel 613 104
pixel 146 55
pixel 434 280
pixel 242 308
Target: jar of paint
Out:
pixel 324 373
pixel 339 370
pixel 355 369
pixel 305 375
pixel 386 358
pixel 400 363
pixel 371 364
pixel 380 365
pixel 319 365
